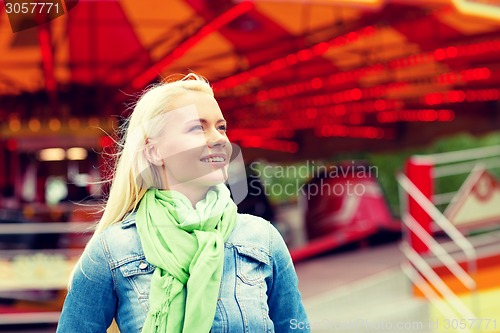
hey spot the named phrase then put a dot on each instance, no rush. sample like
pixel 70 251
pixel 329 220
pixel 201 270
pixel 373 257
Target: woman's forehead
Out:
pixel 183 112
pixel 192 112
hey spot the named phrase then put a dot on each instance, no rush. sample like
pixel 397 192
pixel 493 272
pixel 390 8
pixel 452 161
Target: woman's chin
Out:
pixel 214 178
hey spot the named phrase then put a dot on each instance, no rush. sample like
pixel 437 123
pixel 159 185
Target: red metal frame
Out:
pixel 151 73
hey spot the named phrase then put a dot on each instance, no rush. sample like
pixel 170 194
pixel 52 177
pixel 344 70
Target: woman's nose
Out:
pixel 216 138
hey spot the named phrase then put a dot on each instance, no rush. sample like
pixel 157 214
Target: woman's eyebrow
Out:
pixel 204 121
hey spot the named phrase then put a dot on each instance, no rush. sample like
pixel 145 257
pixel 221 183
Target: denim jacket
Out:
pixel 258 291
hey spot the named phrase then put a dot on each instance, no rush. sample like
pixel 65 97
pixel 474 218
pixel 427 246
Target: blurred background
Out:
pixel 370 130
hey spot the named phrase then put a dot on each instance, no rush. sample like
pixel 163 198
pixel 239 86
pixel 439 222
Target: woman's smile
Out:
pixel 215 159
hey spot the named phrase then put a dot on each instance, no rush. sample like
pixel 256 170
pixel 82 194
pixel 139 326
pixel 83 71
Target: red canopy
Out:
pixel 288 74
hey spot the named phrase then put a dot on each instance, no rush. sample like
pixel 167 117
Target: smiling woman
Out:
pixel 171 253
pixel 194 135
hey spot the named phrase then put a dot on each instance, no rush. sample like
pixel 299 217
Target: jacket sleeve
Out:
pixel 285 302
pixel 91 301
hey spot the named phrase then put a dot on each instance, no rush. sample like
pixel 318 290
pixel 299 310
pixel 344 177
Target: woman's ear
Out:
pixel 152 154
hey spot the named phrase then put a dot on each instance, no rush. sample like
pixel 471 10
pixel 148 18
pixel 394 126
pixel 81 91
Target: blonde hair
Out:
pixel 133 172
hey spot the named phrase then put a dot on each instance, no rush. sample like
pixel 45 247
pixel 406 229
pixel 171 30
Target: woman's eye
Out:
pixel 223 128
pixel 196 128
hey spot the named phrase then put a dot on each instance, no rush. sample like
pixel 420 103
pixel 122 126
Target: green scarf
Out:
pixel 187 247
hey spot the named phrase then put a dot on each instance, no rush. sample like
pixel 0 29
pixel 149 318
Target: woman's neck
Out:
pixel 194 194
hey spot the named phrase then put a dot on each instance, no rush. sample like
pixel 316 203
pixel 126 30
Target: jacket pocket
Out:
pixel 220 324
pixel 250 263
pixel 138 272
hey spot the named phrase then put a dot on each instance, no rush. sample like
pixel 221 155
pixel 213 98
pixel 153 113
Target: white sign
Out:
pixel 477 201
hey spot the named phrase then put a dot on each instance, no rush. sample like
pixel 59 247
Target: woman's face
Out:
pixel 193 145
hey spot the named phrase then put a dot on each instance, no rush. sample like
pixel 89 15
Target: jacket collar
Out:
pixel 128 221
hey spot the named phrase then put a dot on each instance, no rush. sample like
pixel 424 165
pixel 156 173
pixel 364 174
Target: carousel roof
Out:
pixel 289 75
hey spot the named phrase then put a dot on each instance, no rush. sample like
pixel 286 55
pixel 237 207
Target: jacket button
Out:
pixel 143 265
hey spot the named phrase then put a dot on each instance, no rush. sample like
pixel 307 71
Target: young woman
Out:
pixel 171 253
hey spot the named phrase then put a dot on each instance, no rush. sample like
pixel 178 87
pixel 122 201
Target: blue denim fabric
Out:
pixel 258 289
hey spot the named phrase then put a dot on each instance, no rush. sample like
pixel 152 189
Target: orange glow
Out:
pixel 54 124
pixel 34 124
pixel 14 124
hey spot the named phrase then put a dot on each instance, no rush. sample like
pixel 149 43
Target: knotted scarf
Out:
pixel 186 245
